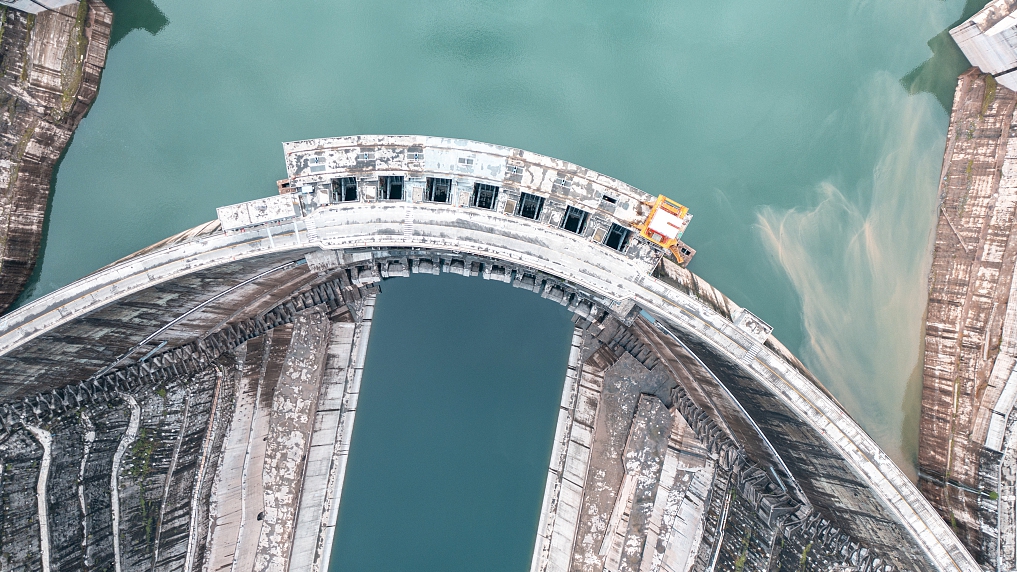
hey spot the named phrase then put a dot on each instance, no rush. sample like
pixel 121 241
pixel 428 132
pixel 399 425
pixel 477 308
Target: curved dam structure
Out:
pixel 190 406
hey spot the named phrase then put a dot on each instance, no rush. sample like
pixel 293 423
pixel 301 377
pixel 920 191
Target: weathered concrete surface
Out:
pixel 717 322
pixel 96 491
pixel 364 315
pixel 985 38
pixel 677 523
pixel 196 303
pixel 49 77
pixel 36 6
pixel 616 459
pixel 316 494
pixel 66 534
pixel 566 477
pixel 632 487
pixel 286 446
pixel 229 495
pixel 644 461
pixel 294 404
pixel 19 523
pixel 254 470
pixel 175 496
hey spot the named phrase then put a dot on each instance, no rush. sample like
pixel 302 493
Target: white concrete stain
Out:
pixel 46 440
pixel 125 442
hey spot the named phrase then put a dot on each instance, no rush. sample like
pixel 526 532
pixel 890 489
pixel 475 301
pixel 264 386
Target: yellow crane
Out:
pixel 665 225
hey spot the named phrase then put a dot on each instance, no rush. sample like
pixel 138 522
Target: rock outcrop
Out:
pixel 50 66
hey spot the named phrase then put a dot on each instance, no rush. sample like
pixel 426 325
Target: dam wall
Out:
pixel 791 472
pixel 394 262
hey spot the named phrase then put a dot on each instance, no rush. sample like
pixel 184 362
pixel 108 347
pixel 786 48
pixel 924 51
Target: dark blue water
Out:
pixel 454 428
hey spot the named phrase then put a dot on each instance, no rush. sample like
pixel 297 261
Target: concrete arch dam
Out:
pixel 190 406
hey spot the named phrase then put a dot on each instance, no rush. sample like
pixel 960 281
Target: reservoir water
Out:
pixel 805 137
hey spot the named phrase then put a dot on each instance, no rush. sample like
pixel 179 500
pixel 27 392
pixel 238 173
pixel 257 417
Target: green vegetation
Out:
pixel 3 21
pixel 74 60
pixel 744 554
pixel 993 495
pixel 804 558
pixel 29 24
pixel 990 94
pixel 141 452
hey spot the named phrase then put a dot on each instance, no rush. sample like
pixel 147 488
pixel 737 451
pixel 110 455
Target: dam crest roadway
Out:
pixel 783 459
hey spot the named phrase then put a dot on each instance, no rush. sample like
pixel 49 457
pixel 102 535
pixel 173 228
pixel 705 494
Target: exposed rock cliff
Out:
pixel 50 66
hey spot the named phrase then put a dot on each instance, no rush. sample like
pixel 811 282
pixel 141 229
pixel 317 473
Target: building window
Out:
pixel 438 190
pixel 575 220
pixel 344 189
pixel 484 196
pixel 617 237
pixel 317 164
pixel 529 206
pixel 390 188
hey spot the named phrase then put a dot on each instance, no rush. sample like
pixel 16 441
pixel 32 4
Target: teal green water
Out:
pixel 810 165
pixel 454 426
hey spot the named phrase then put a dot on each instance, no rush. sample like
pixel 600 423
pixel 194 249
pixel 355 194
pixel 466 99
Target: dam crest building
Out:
pixel 160 397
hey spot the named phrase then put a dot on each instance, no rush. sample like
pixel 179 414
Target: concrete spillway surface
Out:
pixel 214 378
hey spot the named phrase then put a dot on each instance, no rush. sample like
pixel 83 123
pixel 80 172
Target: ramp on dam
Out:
pixel 190 406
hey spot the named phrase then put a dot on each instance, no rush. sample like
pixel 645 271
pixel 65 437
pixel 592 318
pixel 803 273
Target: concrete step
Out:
pixel 408 223
pixel 312 230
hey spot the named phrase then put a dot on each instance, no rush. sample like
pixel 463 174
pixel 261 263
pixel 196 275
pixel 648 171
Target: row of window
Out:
pixel 484 196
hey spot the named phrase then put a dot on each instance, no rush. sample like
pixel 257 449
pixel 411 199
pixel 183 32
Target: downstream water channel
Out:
pixel 805 137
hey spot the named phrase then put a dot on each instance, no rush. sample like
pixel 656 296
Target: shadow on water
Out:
pixel 130 15
pixel 938 74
